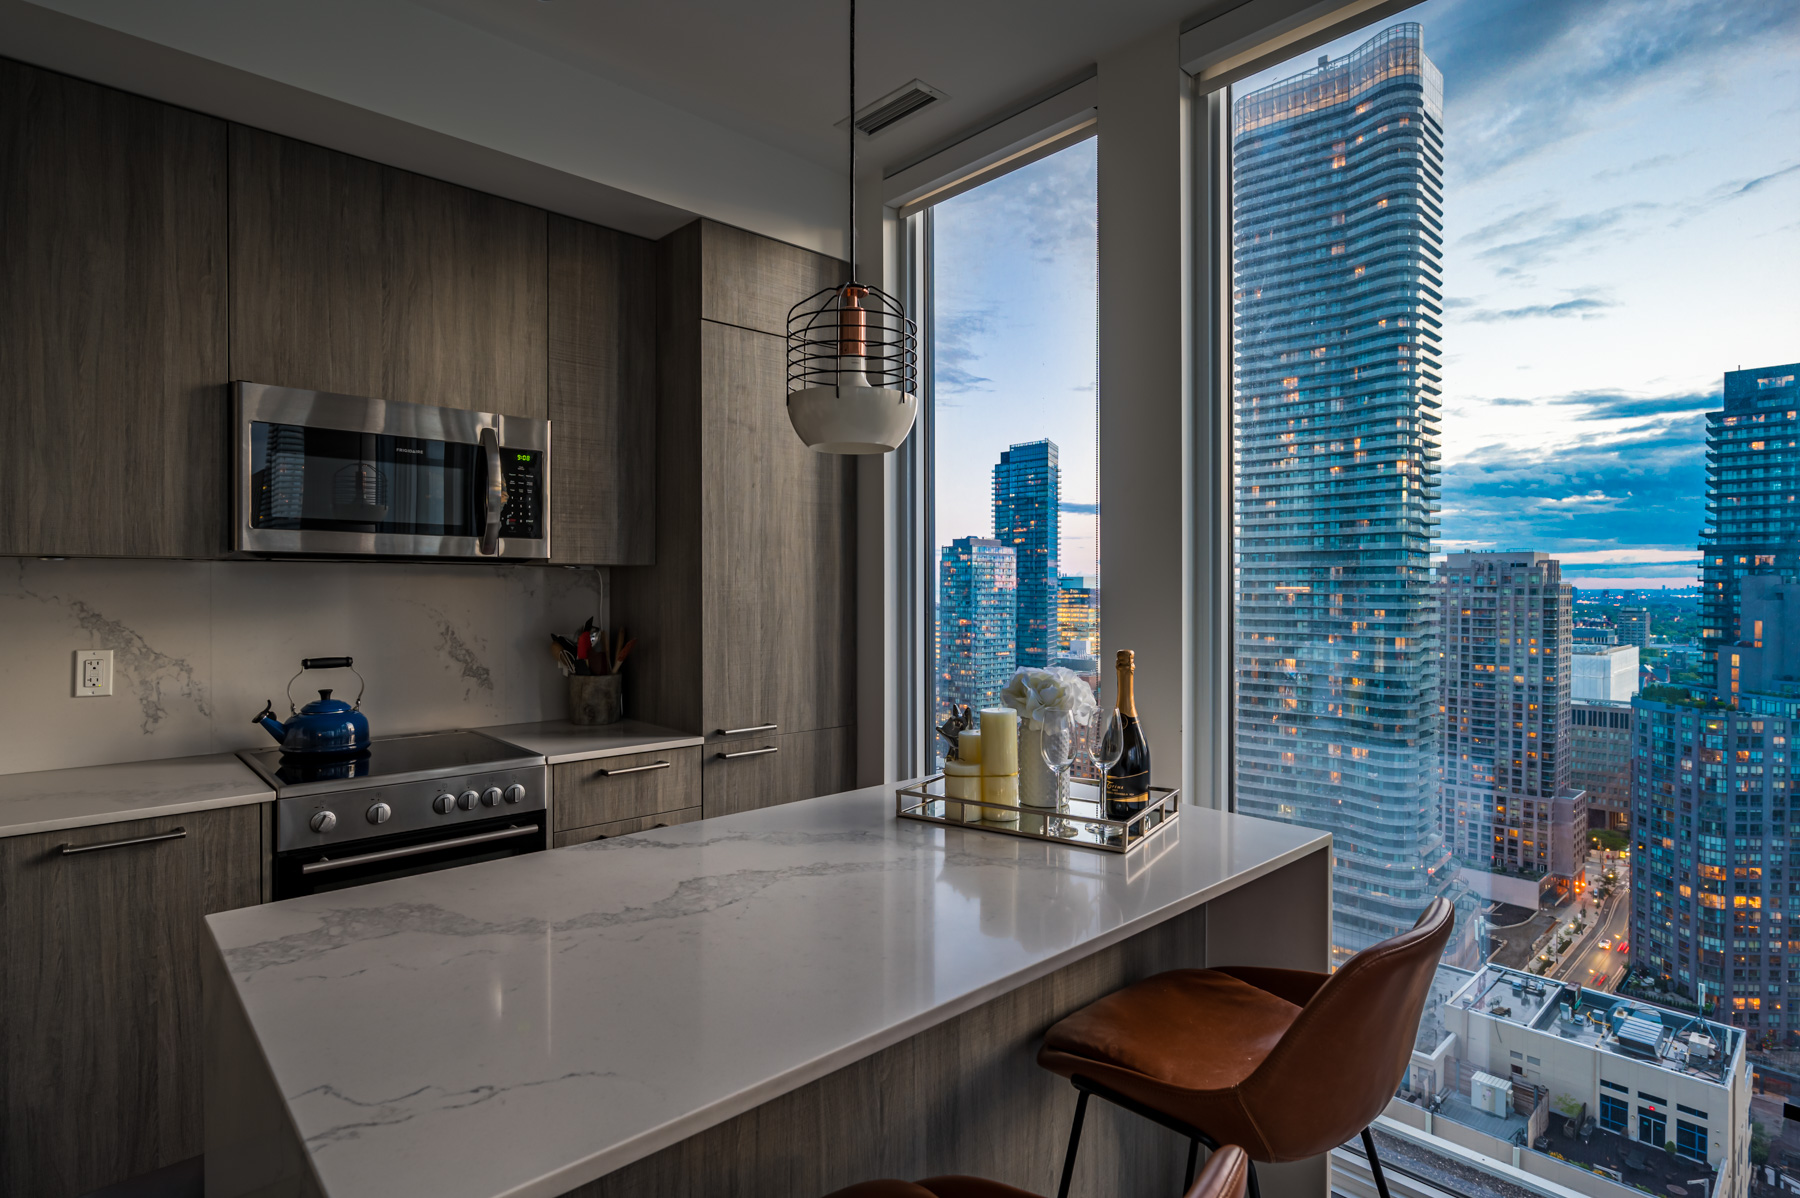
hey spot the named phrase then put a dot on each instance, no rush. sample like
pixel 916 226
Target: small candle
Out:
pixel 968 747
pixel 1000 789
pixel 962 780
pixel 1000 741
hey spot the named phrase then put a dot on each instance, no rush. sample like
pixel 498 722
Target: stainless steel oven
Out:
pixel 341 475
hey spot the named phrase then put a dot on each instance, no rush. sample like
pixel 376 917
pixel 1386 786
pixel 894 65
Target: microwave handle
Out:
pixel 495 495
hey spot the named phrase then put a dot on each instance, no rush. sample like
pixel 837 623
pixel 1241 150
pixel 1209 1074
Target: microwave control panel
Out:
pixel 523 515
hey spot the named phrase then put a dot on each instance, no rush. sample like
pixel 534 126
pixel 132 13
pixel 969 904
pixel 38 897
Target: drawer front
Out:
pixel 624 827
pixel 610 789
pixel 742 774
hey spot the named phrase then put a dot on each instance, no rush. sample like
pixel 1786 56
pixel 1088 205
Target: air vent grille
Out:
pixel 896 106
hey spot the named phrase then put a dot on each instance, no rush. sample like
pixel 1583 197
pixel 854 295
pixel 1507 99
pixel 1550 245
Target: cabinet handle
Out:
pixel 494 498
pixel 69 850
pixel 741 731
pixel 750 753
pixel 632 769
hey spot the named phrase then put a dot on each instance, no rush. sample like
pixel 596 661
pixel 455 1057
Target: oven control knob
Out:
pixel 467 800
pixel 514 793
pixel 490 797
pixel 444 804
pixel 323 821
pixel 380 813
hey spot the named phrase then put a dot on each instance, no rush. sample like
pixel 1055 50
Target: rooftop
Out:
pixel 1609 1023
pixel 1635 1164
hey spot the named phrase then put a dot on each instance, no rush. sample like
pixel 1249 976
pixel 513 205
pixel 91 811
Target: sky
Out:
pixel 1622 225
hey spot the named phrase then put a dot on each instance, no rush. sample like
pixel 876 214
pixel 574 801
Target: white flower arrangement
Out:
pixel 1036 692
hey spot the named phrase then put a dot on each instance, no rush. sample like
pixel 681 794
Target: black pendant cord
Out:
pixel 853 139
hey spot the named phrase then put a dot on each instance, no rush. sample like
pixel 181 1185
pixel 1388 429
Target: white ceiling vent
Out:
pixel 896 106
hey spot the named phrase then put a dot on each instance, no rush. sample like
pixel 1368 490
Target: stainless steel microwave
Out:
pixel 344 476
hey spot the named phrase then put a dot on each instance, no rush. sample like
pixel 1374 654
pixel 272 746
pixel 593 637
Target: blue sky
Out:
pixel 1622 225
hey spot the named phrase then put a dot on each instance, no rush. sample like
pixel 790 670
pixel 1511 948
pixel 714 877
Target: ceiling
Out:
pixel 776 72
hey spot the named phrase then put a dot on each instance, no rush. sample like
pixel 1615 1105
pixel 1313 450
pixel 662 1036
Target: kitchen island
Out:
pixel 779 1002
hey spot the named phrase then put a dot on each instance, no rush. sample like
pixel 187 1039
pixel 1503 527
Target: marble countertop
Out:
pixel 560 741
pixel 520 1027
pixel 48 800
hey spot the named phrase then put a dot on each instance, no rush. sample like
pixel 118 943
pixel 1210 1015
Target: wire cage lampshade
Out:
pixel 852 370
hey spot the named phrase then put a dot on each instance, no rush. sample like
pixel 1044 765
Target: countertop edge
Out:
pixel 684 742
pixel 93 819
pixel 610 1160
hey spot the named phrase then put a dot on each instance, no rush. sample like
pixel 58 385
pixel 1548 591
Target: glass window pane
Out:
pixel 1015 492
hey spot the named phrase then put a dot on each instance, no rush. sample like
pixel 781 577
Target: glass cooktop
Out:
pixel 391 759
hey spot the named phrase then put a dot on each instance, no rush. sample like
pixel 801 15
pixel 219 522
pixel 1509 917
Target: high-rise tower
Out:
pixel 1027 496
pixel 1752 481
pixel 1338 208
pixel 978 584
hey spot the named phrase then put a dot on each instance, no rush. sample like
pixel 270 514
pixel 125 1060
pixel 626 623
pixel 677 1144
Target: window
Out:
pixel 1614 1114
pixel 1653 1127
pixel 1690 1140
pixel 1013 494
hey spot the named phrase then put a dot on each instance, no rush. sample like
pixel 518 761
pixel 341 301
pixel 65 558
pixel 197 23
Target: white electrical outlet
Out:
pixel 93 672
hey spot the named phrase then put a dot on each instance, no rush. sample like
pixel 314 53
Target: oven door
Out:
pixel 340 475
pixel 318 869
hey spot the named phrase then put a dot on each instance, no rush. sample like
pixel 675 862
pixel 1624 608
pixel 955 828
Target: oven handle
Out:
pixel 496 491
pixel 319 867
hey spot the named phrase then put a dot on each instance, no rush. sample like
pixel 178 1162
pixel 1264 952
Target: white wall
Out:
pixel 198 646
pixel 1610 676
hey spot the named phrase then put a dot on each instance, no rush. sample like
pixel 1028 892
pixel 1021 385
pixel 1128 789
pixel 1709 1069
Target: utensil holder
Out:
pixel 596 698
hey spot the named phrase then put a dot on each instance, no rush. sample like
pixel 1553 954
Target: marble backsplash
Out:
pixel 198 646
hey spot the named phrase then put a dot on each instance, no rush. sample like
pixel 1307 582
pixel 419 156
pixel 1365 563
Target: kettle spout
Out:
pixel 271 725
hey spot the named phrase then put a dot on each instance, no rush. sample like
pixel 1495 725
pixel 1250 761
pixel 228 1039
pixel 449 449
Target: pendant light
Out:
pixel 853 356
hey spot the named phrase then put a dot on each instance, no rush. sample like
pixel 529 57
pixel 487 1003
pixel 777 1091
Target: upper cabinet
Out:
pixel 112 322
pixel 359 278
pixel 602 395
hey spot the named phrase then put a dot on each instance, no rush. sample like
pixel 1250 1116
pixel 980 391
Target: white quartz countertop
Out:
pixel 520 1027
pixel 49 800
pixel 560 741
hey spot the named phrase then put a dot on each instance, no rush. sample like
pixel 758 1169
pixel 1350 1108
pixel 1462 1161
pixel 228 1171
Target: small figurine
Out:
pixel 953 728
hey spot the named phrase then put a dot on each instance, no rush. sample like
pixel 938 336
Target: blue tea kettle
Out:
pixel 324 727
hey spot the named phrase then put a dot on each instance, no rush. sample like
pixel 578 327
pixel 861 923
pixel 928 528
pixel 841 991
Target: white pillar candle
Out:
pixel 1000 788
pixel 999 741
pixel 968 747
pixel 962 780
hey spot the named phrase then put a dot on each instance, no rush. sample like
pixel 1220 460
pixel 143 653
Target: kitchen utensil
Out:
pixel 326 726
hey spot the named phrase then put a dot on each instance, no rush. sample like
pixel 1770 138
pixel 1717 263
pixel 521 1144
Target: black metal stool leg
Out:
pixel 1193 1162
pixel 1255 1190
pixel 1062 1191
pixel 1374 1163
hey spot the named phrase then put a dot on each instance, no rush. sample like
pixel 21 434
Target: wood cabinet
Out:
pixel 741 774
pixel 364 279
pixel 623 827
pixel 112 322
pixel 748 617
pixel 100 977
pixel 610 789
pixel 602 398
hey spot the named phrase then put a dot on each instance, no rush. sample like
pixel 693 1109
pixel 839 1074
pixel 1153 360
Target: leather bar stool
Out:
pixel 1224 1177
pixel 1287 1063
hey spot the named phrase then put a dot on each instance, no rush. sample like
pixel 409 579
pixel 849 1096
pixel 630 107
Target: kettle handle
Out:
pixel 327 663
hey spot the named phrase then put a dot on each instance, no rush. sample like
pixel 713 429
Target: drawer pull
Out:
pixel 632 769
pixel 741 731
pixel 69 850
pixel 751 752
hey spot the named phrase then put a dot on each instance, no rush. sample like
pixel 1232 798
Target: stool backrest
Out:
pixel 1342 1060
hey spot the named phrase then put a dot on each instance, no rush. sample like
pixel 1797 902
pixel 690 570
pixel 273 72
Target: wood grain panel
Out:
pixel 624 827
pixel 751 281
pixel 779 550
pixel 804 766
pixel 112 322
pixel 584 792
pixel 602 395
pixel 965 1096
pixel 100 975
pixel 660 604
pixel 351 276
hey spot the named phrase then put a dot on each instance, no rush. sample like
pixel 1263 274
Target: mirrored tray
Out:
pixel 1082 821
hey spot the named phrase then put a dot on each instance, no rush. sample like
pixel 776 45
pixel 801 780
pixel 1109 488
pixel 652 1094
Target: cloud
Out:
pixel 1557 238
pixel 1077 509
pixel 955 351
pixel 1586 307
pixel 1642 164
pixel 1605 405
pixel 1049 204
pixel 1734 189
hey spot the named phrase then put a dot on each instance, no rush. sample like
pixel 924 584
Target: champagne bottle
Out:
pixel 1128 781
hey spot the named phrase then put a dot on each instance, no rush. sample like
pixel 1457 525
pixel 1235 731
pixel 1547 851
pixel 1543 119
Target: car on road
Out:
pixel 1606 945
pixel 1600 980
pixel 1622 946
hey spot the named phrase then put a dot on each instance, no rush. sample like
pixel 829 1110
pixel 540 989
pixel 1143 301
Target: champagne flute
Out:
pixel 1058 750
pixel 1105 741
